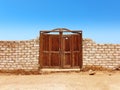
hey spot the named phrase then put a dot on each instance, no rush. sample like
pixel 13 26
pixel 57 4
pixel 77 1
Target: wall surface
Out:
pixel 105 55
pixel 24 55
pixel 16 55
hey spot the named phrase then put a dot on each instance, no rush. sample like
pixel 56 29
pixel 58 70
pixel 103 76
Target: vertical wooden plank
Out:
pixel 66 51
pixel 50 46
pixel 71 57
pixel 78 58
pixel 61 49
pixel 72 54
pixel 41 50
pixel 81 51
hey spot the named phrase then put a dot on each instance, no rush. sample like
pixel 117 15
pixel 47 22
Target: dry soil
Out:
pixel 62 81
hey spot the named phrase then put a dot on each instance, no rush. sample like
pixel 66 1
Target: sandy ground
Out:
pixel 62 81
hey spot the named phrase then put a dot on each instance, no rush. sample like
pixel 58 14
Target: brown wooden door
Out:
pixel 72 51
pixel 76 50
pixel 61 51
pixel 50 54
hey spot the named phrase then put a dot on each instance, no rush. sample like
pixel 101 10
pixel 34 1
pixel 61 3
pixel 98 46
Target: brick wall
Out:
pixel 105 55
pixel 16 55
pixel 24 55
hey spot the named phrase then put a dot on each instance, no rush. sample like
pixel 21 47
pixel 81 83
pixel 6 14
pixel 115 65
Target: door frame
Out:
pixel 60 32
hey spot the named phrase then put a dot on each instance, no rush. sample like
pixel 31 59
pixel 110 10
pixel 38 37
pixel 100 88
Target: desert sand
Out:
pixel 61 81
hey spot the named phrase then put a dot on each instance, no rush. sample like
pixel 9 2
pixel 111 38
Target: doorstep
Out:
pixel 60 70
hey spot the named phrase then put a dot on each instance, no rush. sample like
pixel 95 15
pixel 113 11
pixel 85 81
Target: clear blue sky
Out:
pixel 23 19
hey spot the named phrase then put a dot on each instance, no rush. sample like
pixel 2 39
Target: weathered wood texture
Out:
pixel 61 50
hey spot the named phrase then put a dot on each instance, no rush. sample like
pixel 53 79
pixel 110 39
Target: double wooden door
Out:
pixel 60 51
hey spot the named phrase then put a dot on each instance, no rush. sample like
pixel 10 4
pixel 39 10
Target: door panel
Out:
pixel 67 60
pixel 55 43
pixel 55 59
pixel 76 42
pixel 45 42
pixel 66 42
pixel 45 61
pixel 76 59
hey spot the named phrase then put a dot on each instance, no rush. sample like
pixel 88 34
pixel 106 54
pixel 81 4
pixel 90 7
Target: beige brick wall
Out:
pixel 16 55
pixel 24 55
pixel 105 55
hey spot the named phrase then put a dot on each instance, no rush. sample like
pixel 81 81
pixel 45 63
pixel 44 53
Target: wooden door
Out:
pixel 72 51
pixel 76 50
pixel 60 51
pixel 50 54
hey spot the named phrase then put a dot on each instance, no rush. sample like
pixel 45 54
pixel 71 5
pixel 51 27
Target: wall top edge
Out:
pixel 91 40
